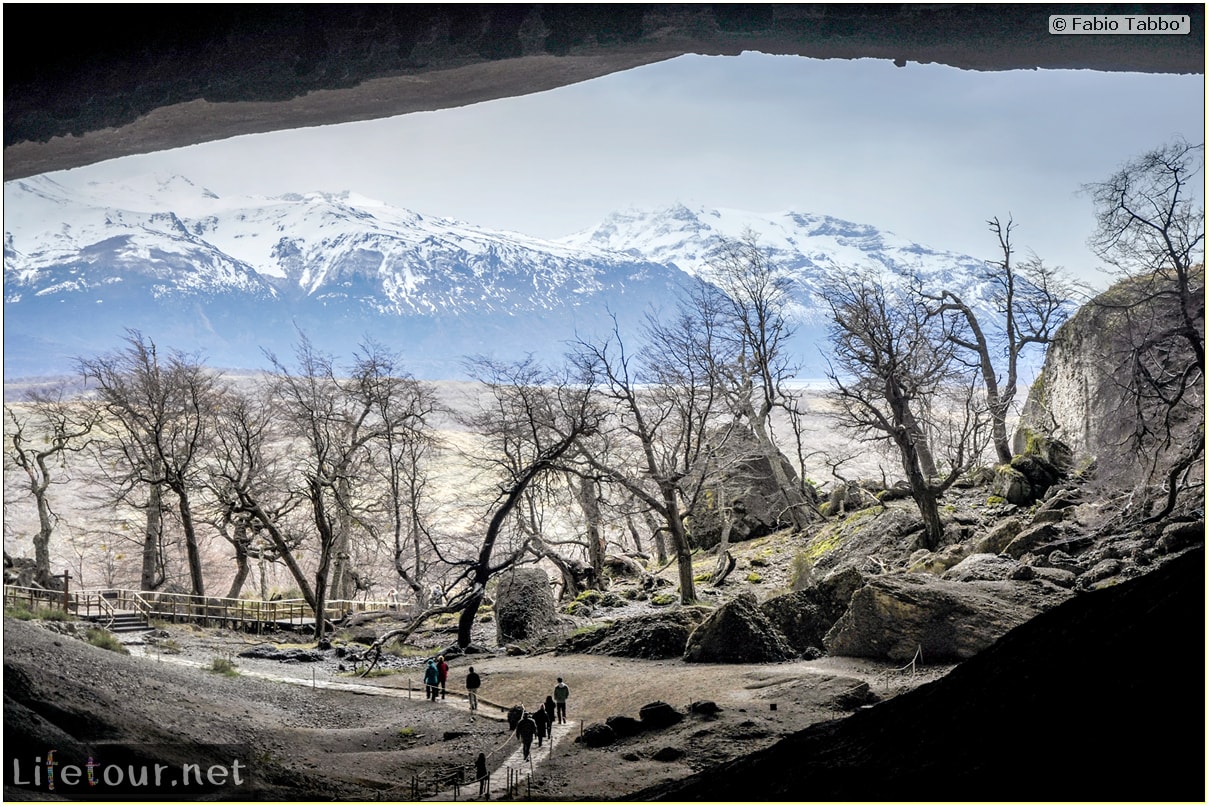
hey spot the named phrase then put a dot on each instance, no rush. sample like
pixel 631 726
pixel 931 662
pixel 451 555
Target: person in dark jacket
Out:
pixel 515 714
pixel 548 705
pixel 480 773
pixel 561 692
pixel 473 681
pixel 539 719
pixel 526 729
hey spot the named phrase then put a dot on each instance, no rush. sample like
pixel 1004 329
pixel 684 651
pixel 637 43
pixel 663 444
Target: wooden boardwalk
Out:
pixel 253 615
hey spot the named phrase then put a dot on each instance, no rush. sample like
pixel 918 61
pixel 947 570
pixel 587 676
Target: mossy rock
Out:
pixel 612 599
pixel 578 608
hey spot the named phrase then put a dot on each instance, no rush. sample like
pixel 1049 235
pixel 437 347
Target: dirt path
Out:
pixel 759 704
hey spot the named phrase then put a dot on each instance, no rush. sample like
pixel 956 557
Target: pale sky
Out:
pixel 925 151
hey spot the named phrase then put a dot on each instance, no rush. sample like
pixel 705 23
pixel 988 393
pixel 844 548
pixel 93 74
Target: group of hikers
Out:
pixel 524 725
pixel 436 673
pixel 539 723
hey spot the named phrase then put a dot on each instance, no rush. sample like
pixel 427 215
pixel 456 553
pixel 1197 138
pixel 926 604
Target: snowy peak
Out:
pixel 231 276
pixel 804 243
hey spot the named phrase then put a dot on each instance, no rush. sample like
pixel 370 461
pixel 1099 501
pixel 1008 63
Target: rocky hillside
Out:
pixel 1069 706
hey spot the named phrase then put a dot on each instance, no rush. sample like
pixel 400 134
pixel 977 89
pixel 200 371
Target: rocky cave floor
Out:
pixel 330 735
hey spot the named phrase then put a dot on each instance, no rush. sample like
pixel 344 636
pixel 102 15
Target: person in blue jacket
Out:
pixel 432 680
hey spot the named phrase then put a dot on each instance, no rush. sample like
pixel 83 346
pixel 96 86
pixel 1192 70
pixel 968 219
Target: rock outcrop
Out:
pixel 1086 395
pixel 751 497
pixel 805 616
pixel 654 636
pixel 1089 668
pixel 900 617
pixel 737 632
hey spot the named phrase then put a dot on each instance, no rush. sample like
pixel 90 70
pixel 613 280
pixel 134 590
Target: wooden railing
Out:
pixel 104 604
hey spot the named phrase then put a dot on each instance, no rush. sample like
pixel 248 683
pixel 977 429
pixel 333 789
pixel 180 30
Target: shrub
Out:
pixel 170 647
pixel 754 577
pixel 19 612
pixel 663 599
pixel 223 666
pixel 41 612
pixel 104 639
pixel 801 571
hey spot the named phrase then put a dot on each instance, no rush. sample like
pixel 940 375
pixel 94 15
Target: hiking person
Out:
pixel 480 773
pixel 548 706
pixel 561 692
pixel 442 674
pixel 543 726
pixel 473 681
pixel 515 714
pixel 432 680
pixel 526 729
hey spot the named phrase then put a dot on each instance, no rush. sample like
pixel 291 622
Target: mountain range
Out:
pixel 231 278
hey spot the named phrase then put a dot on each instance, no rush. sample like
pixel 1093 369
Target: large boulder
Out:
pixel 1087 394
pixel 737 632
pixel 524 606
pixel 894 617
pixel 658 715
pixel 652 636
pixel 799 618
pixel 805 616
pixel 597 735
pixel 1026 480
pixel 753 501
pixel 997 538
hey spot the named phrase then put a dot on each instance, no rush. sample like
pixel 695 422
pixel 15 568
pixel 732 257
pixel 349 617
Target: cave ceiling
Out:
pixel 163 77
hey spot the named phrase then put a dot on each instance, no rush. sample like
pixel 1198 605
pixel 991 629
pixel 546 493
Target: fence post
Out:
pixel 66 588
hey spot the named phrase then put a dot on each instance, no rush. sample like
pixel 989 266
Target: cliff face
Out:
pixel 1121 384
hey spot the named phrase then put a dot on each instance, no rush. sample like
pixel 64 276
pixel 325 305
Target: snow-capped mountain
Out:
pixel 230 278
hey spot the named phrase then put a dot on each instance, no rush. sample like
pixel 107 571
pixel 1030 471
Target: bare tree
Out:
pixel 248 473
pixel 659 409
pixel 1032 300
pixel 538 420
pixel 404 456
pixel 335 420
pixel 892 363
pixel 1150 227
pixel 159 410
pixel 744 310
pixel 39 433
